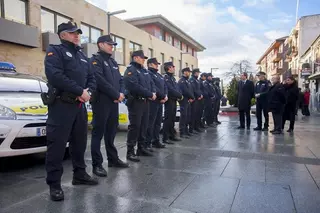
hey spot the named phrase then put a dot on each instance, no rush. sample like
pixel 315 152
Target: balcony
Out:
pixel 294 71
pixel 276 71
pixel 294 52
pixel 276 57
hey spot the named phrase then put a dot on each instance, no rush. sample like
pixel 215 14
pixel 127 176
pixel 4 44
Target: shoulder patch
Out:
pixel 129 73
pixel 94 63
pixel 50 53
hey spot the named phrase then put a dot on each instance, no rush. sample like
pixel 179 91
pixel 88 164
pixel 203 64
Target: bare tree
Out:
pixel 239 67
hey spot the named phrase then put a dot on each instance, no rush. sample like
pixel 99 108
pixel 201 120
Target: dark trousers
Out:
pixel 184 117
pixel 138 119
pixel 245 115
pixel 216 109
pixel 105 123
pixel 194 116
pixel 261 107
pixel 305 110
pixel 277 120
pixel 169 119
pixel 201 113
pixel 292 119
pixel 208 111
pixel 66 123
pixel 155 119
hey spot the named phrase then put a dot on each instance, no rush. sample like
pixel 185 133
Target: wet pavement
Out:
pixel 220 170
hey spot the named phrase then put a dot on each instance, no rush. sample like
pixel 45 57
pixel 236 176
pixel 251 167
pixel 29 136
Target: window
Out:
pixel 150 53
pixel 281 48
pixel 14 10
pixel 177 43
pixel 51 20
pixel 162 58
pixel 134 46
pixel 119 48
pixel 186 64
pixel 191 67
pixel 172 60
pixel 169 39
pixel 89 34
pixel 159 34
pixel 280 64
pixel 184 48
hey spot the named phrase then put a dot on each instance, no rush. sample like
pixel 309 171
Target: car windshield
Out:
pixel 9 84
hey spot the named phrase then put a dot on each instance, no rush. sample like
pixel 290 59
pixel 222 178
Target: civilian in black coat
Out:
pixel 245 94
pixel 292 94
pixel 276 103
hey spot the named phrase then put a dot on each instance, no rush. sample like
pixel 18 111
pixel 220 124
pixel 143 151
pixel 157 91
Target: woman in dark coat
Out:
pixel 292 94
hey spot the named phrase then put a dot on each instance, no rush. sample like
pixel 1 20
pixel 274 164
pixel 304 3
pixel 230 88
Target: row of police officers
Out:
pixel 73 80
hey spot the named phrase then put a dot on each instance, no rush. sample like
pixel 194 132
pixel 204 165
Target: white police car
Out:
pixel 22 113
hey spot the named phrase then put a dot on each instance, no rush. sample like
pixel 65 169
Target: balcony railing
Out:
pixel 276 57
pixel 294 51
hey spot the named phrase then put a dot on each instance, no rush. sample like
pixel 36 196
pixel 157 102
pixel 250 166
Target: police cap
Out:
pixel 153 61
pixel 139 53
pixel 69 27
pixel 203 74
pixel 195 70
pixel 209 75
pixel 106 39
pixel 261 73
pixel 187 69
pixel 168 64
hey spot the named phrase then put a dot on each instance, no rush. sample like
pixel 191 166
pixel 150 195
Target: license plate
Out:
pixel 41 131
pixel 123 118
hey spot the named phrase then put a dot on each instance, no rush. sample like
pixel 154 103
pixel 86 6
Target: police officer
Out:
pixel 188 98
pixel 174 94
pixel 67 71
pixel 261 90
pixel 137 93
pixel 208 95
pixel 217 99
pixel 142 139
pixel 195 106
pixel 203 77
pixel 156 107
pixel 105 106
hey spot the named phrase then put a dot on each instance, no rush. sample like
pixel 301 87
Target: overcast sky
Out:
pixel 231 30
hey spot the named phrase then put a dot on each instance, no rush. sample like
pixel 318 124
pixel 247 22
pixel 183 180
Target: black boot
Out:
pixel 118 164
pixel 131 155
pixel 56 194
pixel 99 171
pixel 158 145
pixel 257 129
pixel 141 151
pixel 167 142
pixel 149 148
pixel 175 139
pixel 83 179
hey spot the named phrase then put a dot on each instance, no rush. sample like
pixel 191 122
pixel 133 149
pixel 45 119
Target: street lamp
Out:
pixel 214 68
pixel 112 14
pixel 181 53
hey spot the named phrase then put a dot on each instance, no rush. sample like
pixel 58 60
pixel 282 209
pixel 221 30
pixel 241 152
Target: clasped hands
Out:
pixel 85 96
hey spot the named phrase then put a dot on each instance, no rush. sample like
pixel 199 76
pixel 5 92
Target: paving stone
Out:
pixel 245 169
pixel 306 199
pixel 208 194
pixel 253 197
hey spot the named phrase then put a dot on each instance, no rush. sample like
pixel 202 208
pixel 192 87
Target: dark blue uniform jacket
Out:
pixel 173 88
pixel 160 84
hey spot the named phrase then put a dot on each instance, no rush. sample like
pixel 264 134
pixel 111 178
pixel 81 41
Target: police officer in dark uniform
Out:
pixel 137 93
pixel 188 98
pixel 203 78
pixel 208 95
pixel 261 90
pixel 156 107
pixel 195 106
pixel 142 139
pixel 174 94
pixel 72 82
pixel 105 106
pixel 217 99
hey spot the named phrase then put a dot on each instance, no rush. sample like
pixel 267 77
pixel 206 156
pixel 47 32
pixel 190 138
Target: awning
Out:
pixel 314 76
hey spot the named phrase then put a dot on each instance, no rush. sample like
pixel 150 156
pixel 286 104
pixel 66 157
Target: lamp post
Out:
pixel 112 14
pixel 181 53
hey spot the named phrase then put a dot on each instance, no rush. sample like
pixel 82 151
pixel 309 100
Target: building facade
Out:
pixel 272 62
pixel 311 72
pixel 301 37
pixel 31 25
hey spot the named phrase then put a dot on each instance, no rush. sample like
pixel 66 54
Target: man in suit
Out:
pixel 245 94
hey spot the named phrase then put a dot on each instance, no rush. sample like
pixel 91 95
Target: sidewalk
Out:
pixel 221 170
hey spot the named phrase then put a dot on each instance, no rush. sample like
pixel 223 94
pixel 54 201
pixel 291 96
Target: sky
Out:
pixel 231 30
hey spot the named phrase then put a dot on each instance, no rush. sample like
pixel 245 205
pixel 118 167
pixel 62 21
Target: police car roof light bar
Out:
pixel 7 66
